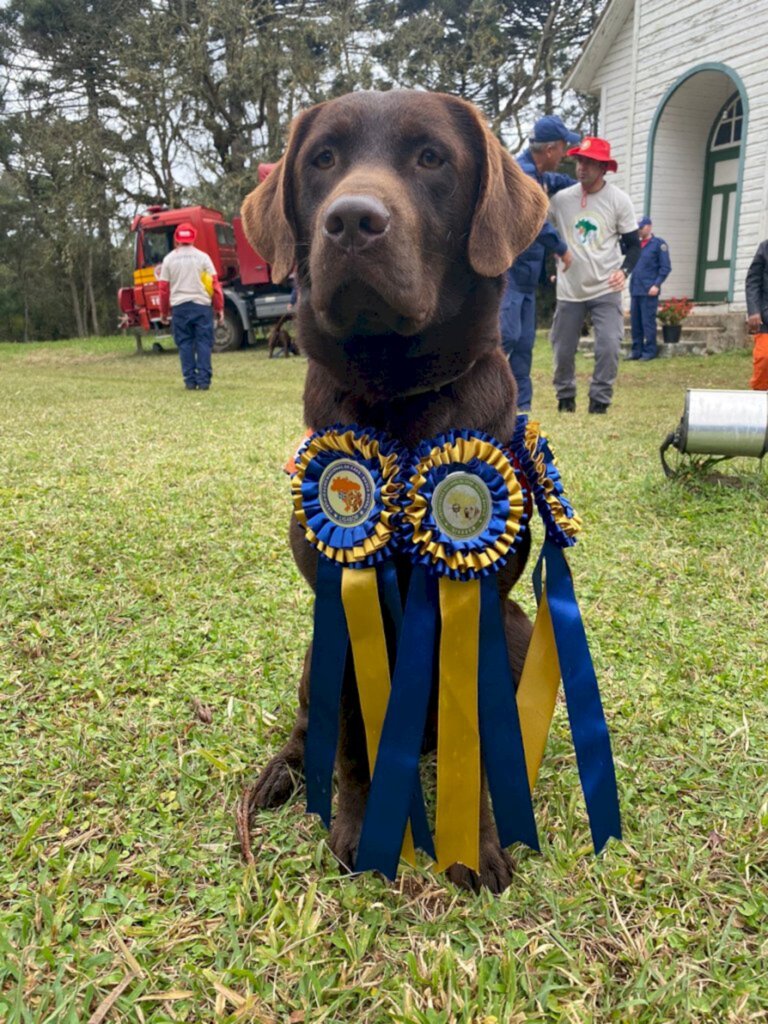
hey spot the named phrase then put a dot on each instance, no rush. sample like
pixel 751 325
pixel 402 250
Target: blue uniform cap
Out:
pixel 643 221
pixel 552 129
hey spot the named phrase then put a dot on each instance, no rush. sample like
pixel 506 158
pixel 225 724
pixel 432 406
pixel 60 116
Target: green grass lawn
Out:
pixel 145 566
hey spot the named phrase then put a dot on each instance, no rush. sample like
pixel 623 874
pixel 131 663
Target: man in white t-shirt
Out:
pixel 190 291
pixel 598 223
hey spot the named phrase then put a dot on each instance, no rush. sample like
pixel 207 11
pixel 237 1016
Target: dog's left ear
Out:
pixel 268 217
pixel 510 207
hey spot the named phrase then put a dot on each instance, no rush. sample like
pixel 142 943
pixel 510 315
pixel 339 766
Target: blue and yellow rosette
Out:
pixel 346 497
pixel 559 648
pixel 463 517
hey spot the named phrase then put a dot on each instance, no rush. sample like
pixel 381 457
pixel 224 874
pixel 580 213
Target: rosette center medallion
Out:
pixel 346 493
pixel 462 506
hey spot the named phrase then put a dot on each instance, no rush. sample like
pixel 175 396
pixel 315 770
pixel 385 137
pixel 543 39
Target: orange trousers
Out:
pixel 759 380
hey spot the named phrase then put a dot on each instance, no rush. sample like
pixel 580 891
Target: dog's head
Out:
pixel 400 210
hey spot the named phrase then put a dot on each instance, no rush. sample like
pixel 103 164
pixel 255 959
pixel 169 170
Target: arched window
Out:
pixel 728 131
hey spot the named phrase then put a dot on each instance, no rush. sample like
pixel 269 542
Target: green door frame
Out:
pixel 728 192
pixel 739 86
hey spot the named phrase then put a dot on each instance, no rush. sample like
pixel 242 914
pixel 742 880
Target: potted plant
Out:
pixel 671 314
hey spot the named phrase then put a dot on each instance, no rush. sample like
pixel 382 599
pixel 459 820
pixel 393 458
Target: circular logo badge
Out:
pixel 461 505
pixel 346 493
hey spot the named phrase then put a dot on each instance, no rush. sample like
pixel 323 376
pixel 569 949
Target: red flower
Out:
pixel 674 311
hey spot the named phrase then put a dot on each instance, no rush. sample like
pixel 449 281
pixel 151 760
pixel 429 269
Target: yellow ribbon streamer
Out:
pixel 360 597
pixel 537 692
pixel 457 823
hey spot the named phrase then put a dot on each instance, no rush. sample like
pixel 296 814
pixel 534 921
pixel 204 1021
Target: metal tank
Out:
pixel 721 423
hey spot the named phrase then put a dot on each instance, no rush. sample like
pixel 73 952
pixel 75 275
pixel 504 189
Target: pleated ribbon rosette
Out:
pixel 559 648
pixel 346 496
pixel 463 517
pixel 456 507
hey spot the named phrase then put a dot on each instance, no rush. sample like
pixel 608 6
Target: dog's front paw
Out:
pixel 495 871
pixel 276 784
pixel 343 840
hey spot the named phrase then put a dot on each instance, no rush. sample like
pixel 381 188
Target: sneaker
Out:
pixel 566 405
pixel 191 387
pixel 632 357
pixel 203 387
pixel 598 407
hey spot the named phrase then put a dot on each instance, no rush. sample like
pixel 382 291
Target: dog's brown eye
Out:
pixel 430 160
pixel 324 160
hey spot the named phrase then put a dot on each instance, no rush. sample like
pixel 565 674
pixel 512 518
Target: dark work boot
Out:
pixel 566 405
pixel 598 407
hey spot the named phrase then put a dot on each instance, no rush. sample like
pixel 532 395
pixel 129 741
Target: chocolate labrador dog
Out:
pixel 280 338
pixel 401 212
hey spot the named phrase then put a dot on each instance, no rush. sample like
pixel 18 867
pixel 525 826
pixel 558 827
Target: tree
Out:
pixel 111 105
pixel 508 56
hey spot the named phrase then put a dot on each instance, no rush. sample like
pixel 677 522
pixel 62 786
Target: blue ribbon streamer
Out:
pixel 326 677
pixel 390 597
pixel 582 697
pixel 393 606
pixel 500 735
pixel 395 789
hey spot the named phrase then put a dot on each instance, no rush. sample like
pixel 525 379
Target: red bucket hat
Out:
pixel 595 149
pixel 185 234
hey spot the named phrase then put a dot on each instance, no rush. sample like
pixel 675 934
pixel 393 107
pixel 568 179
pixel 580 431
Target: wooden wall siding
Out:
pixel 671 40
pixel 615 74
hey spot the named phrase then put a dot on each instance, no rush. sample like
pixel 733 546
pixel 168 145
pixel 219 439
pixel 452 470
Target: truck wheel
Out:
pixel 228 335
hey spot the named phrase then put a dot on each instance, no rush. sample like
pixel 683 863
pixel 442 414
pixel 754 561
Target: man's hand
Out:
pixel 654 290
pixel 566 259
pixel 754 323
pixel 617 280
pixel 219 316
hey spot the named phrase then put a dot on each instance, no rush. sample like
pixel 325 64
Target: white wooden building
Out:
pixel 683 91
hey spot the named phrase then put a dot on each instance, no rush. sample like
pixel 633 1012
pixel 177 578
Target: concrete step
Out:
pixel 704 332
pixel 684 347
pixel 710 338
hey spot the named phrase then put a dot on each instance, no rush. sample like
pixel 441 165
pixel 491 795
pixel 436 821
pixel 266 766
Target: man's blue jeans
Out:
pixel 192 326
pixel 518 333
pixel 643 310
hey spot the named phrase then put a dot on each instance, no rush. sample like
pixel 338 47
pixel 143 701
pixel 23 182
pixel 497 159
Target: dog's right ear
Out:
pixel 510 209
pixel 268 212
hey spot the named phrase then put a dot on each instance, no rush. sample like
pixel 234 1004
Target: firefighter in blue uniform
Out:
pixel 546 148
pixel 650 273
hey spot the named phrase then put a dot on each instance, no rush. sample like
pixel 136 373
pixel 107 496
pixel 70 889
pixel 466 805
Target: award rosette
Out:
pixel 559 648
pixel 346 496
pixel 463 517
pixel 532 450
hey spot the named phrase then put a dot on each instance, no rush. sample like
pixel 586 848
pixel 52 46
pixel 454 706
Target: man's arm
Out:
pixel 217 298
pixel 665 265
pixel 630 246
pixel 556 182
pixel 754 283
pixel 551 240
pixel 164 291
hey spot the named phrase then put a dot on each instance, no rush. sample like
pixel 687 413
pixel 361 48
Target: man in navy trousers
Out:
pixel 651 272
pixel 546 148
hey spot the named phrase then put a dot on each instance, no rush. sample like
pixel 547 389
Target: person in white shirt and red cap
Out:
pixel 598 223
pixel 190 293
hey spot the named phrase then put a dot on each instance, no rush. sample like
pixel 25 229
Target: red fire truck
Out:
pixel 251 299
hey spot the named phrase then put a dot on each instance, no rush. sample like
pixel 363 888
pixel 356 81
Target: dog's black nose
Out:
pixel 354 221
